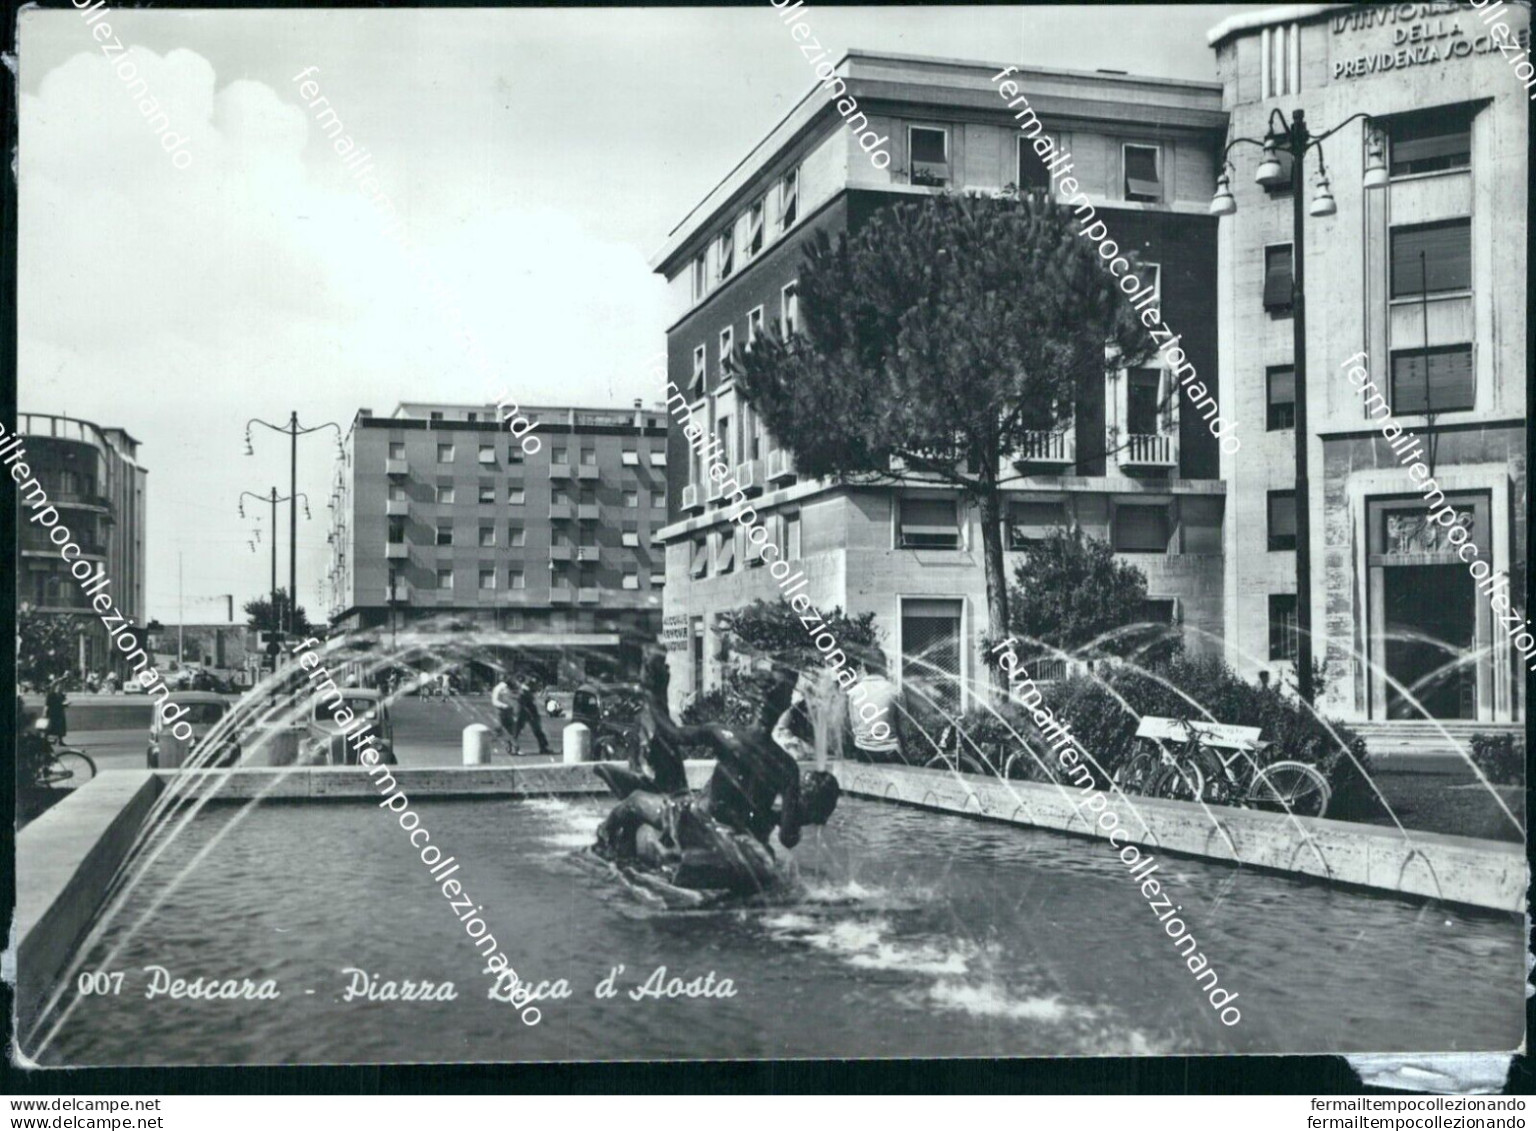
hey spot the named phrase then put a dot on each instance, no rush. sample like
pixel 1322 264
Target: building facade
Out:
pixel 93 478
pixel 1422 283
pixel 442 519
pixel 1135 467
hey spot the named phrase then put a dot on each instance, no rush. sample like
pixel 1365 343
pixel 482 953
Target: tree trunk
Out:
pixel 990 504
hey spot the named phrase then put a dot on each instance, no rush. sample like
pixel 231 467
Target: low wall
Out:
pixel 1478 873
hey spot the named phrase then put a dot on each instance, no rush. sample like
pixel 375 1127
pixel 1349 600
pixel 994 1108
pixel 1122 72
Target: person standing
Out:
pixel 528 713
pixel 505 703
pixel 875 728
pixel 53 706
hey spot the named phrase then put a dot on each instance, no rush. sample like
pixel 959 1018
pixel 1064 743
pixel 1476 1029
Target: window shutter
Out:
pixel 1141 528
pixel 1447 263
pixel 1450 380
pixel 1277 277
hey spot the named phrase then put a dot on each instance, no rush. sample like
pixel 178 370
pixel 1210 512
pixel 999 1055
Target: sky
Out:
pixel 537 158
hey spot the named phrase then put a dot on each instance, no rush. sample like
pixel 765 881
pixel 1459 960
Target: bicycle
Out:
pixel 1199 773
pixel 47 765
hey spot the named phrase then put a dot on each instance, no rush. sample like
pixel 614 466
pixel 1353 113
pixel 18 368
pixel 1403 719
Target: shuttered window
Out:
pixel 1282 520
pixel 931 524
pixel 1432 258
pixel 1431 141
pixel 1277 277
pixel 1447 387
pixel 1281 411
pixel 1141 180
pixel 1141 529
pixel 699 566
pixel 1029 523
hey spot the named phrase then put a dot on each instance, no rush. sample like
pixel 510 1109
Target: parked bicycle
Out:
pixel 1219 767
pixel 45 763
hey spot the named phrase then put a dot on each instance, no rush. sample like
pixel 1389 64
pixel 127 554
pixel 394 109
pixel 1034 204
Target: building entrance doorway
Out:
pixel 1430 624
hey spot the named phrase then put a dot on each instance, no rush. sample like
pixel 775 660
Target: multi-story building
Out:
pixel 1422 283
pixel 1135 468
pixel 443 519
pixel 94 480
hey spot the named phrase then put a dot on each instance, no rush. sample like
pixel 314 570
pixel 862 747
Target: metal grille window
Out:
pixel 1432 258
pixel 928 524
pixel 1141 529
pixel 1277 277
pixel 1030 523
pixel 1142 182
pixel 1282 626
pixel 1281 409
pixel 1430 141
pixel 1282 520
pixel 930 646
pixel 1439 379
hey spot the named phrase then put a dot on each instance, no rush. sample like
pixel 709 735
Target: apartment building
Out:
pixel 94 480
pixel 1136 467
pixel 1425 275
pixel 444 520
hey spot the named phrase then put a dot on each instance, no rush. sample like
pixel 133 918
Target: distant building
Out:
pixel 94 480
pixel 229 650
pixel 1427 277
pixel 443 518
pixel 1136 467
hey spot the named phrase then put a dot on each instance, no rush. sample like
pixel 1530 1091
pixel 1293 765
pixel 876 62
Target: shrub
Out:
pixel 1501 757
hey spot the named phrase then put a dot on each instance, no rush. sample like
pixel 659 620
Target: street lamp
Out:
pixel 272 498
pixel 1295 139
pixel 293 432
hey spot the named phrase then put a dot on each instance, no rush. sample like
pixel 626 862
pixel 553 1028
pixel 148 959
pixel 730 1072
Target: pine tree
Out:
pixel 933 341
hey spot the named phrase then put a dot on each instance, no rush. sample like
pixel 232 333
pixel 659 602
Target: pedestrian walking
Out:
pixel 528 713
pixel 505 701
pixel 54 705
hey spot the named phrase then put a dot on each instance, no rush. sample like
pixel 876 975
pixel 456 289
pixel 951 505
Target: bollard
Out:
pixel 576 745
pixel 477 744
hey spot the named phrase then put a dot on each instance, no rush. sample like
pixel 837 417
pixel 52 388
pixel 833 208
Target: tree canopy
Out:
pixel 260 615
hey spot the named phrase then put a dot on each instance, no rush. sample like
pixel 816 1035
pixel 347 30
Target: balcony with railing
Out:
pixel 560 510
pixel 749 476
pixel 781 466
pixel 587 596
pixel 562 553
pixel 396 551
pixel 588 471
pixel 561 595
pixel 1146 449
pixel 587 512
pixel 1054 448
pixel 692 498
pixel 587 553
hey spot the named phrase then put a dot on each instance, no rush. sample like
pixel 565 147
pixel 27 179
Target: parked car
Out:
pixel 203 710
pixel 325 744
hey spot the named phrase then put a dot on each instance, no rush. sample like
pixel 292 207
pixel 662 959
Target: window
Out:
pixel 1140 529
pixel 789 310
pixel 725 253
pixel 792 537
pixel 754 244
pixel 631 580
pixel 487 536
pixel 1029 523
pixel 560 455
pixel 727 347
pixel 700 276
pixel 1155 611
pixel 632 499
pixel 928 524
pixel 1141 401
pixel 789 200
pixel 434 416
pixel 445 579
pixel 1277 278
pixel 1432 259
pixel 397 493
pixel 515 579
pixel 1032 172
pixel 445 453
pixel 472 417
pixel 397 450
pixel 929 149
pixel 930 630
pixel 487 579
pixel 588 457
pixel 397 530
pixel 1282 626
pixel 1280 60
pixel 630 536
pixel 696 383
pixel 1151 274
pixel 516 496
pixel 1282 520
pixel 445 534
pixel 1446 385
pixel 725 551
pixel 1281 412
pixel 559 496
pixel 658 499
pixel 515 536
pixel 658 580
pixel 487 493
pixel 487 453
pixel 754 325
pixel 445 492
pixel 699 566
pixel 1142 182
pixel 1430 141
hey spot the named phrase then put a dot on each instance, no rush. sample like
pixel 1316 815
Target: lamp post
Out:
pixel 1296 139
pixel 273 499
pixel 293 432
